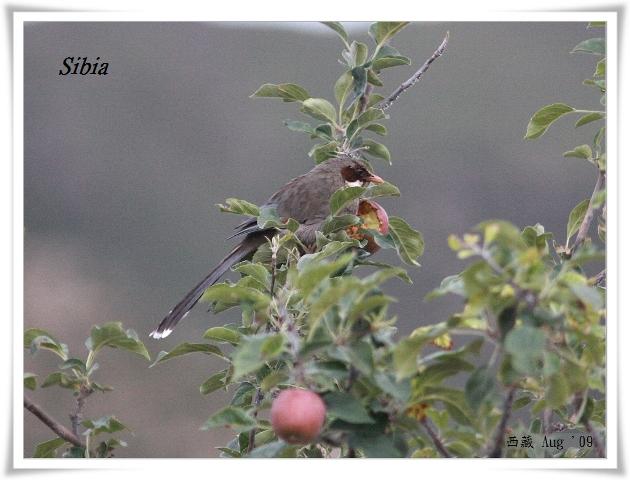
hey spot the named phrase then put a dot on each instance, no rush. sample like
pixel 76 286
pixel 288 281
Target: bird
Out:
pixel 304 199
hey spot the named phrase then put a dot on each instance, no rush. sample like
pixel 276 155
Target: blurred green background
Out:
pixel 122 173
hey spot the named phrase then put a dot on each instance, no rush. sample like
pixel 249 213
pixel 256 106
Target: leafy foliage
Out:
pixel 76 375
pixel 320 319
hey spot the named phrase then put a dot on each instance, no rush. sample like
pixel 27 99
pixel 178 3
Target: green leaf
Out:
pixel 343 86
pixel 343 196
pixel 406 356
pixel 330 249
pixel 272 380
pixel 30 381
pixel 312 274
pixel 268 217
pixel 61 379
pixel 381 32
pixel 366 118
pixel 596 25
pixel 107 424
pixel 576 217
pixel 288 92
pixel 223 335
pixel 48 449
pixel 385 189
pixel 594 46
pixel 334 224
pixel 356 54
pixel 557 391
pixel 277 449
pixel 452 284
pixel 215 382
pixel 373 78
pixel 409 242
pixel 233 417
pixel 478 387
pixel 254 270
pixel 74 363
pixel 600 68
pixel 296 126
pixel 597 141
pixel 526 344
pixel 391 61
pixel 37 339
pixel 377 150
pixel 377 128
pixel 236 294
pixel 112 335
pixel 338 288
pixel 589 295
pixel 582 151
pixel 359 82
pixel 187 348
pixel 324 151
pixel 239 207
pixel 319 108
pixel 346 407
pixel 398 390
pixel 544 117
pixel 588 118
pixel 254 351
pixel 338 28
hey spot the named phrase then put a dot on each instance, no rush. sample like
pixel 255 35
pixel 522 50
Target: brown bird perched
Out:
pixel 305 199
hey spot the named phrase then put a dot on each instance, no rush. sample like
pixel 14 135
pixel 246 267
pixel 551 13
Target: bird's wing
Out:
pixel 248 226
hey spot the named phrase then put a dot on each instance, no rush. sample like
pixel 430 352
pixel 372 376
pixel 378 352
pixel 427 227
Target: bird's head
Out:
pixel 356 174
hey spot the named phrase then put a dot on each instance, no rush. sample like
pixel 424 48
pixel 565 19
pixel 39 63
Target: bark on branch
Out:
pixel 385 104
pixel 53 424
pixel 588 216
pixel 439 445
pixel 497 447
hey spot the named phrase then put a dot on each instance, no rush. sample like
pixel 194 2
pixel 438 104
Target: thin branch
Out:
pixel 77 415
pixel 364 98
pixel 51 423
pixel 600 278
pixel 596 443
pixel 497 448
pixel 434 437
pixel 385 104
pixel 252 433
pixel 588 216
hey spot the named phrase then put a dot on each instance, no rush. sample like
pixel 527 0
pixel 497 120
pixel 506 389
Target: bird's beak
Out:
pixel 375 179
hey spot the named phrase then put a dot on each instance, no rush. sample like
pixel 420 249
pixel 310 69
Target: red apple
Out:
pixel 297 415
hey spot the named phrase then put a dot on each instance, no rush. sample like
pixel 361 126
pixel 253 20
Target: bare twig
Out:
pixel 600 278
pixel 588 216
pixel 435 438
pixel 599 448
pixel 497 447
pixel 385 104
pixel 77 415
pixel 363 101
pixel 53 424
pixel 252 433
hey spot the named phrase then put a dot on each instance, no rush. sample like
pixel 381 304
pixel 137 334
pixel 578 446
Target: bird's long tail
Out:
pixel 247 247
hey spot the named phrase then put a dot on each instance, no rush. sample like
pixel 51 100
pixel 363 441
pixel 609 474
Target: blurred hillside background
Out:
pixel 122 173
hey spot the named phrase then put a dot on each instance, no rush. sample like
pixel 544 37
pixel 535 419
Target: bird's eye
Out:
pixel 350 174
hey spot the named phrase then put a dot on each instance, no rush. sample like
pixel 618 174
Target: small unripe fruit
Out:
pixel 297 415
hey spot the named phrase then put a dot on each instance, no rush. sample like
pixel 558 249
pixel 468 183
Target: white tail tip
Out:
pixel 158 335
